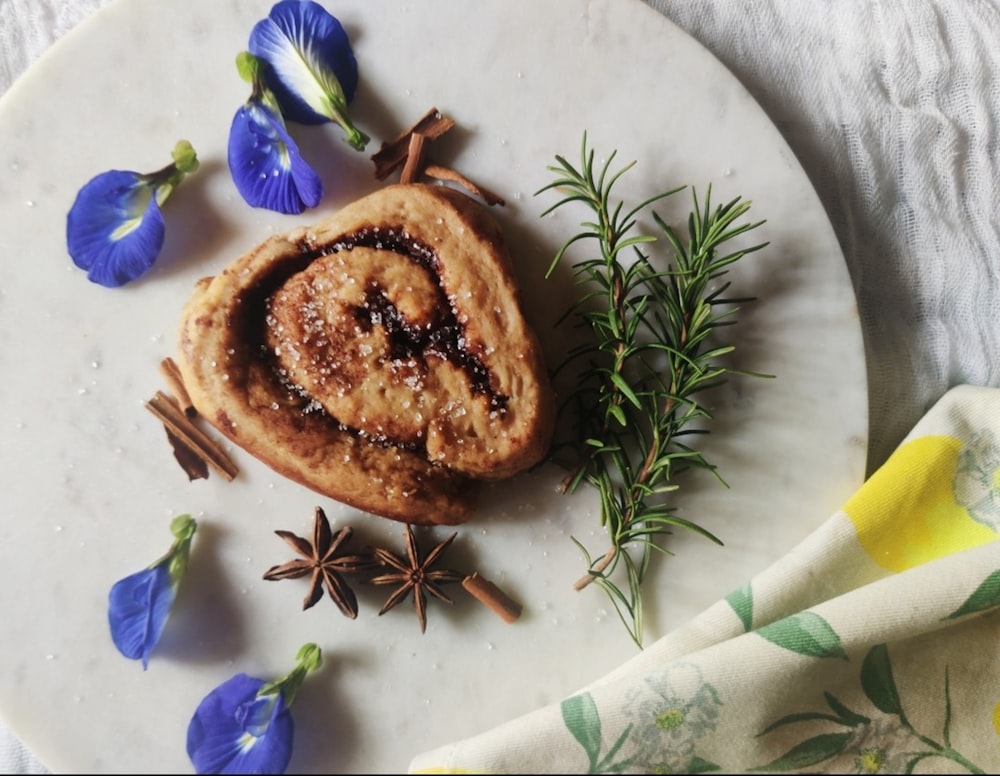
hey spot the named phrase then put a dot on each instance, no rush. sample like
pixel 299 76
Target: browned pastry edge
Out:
pixel 237 390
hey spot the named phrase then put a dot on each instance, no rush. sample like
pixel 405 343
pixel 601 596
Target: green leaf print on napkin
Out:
pixel 582 719
pixel 805 633
pixel 812 751
pixel 580 715
pixel 741 600
pixel 877 680
pixel 886 743
pixel 986 596
pixel 841 715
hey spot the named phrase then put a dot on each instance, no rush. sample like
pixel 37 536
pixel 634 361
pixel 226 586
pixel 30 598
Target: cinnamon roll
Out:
pixel 379 357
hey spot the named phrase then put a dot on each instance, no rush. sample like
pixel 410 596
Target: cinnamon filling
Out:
pixel 389 355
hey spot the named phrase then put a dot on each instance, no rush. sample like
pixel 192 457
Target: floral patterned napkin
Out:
pixel 872 647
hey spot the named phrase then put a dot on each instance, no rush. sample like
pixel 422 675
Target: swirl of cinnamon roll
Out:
pixel 380 357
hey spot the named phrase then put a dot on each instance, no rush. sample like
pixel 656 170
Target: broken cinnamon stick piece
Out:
pixel 172 377
pixel 414 159
pixel 168 412
pixel 443 173
pixel 393 154
pixel 194 466
pixel 492 596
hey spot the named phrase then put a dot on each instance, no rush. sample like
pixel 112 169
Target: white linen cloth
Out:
pixel 893 109
pixel 869 647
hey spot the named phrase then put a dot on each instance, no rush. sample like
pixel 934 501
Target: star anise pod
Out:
pixel 322 560
pixel 416 575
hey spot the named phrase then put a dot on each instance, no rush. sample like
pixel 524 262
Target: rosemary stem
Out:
pixel 650 354
pixel 570 478
pixel 596 569
pixel 605 560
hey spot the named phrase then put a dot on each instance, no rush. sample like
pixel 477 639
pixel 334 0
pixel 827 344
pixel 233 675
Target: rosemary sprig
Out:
pixel 653 350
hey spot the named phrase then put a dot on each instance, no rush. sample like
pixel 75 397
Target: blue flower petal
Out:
pixel 266 165
pixel 234 731
pixel 114 229
pixel 138 606
pixel 310 59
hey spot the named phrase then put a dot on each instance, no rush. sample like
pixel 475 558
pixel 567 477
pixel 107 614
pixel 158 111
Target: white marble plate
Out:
pixel 88 483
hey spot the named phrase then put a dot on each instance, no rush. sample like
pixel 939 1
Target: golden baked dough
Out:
pixel 379 357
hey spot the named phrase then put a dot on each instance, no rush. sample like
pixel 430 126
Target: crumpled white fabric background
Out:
pixel 893 109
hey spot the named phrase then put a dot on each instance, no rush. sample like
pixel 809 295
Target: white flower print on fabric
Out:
pixel 977 479
pixel 881 746
pixel 670 713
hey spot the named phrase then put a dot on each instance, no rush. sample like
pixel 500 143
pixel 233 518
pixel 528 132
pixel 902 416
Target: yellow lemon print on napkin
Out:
pixel 933 497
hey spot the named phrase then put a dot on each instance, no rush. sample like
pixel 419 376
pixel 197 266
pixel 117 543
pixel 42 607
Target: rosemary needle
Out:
pixel 653 350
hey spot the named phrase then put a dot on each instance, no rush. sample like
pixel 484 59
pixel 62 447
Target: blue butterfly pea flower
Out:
pixel 264 160
pixel 115 229
pixel 310 65
pixel 139 604
pixel 245 724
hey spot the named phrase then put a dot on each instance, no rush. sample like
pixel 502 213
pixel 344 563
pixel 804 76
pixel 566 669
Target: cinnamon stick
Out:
pixel 393 153
pixel 193 464
pixel 443 173
pixel 414 159
pixel 172 377
pixel 492 596
pixel 168 412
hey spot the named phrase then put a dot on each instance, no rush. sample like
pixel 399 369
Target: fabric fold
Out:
pixel 870 647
